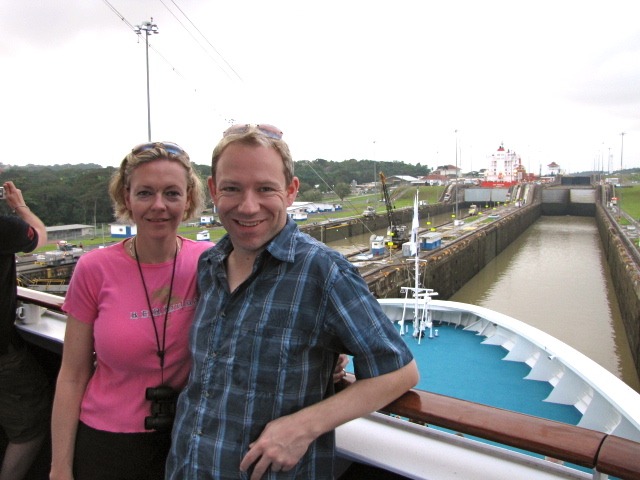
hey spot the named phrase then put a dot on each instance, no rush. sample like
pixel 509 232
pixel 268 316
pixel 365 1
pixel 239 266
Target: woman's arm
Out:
pixel 75 372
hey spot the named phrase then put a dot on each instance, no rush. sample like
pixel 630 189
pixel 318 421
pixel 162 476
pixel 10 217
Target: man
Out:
pixel 276 309
pixel 24 393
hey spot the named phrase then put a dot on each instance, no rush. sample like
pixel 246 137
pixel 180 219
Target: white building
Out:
pixel 120 230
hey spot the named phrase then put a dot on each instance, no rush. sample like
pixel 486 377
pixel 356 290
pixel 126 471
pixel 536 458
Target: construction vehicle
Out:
pixel 396 234
pixel 369 212
pixel 64 254
pixel 69 249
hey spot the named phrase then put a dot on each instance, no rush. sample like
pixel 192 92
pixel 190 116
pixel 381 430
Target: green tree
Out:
pixel 304 187
pixel 342 190
pixel 313 195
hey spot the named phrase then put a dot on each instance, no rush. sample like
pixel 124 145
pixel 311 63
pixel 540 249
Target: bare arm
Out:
pixel 15 200
pixel 285 440
pixel 75 371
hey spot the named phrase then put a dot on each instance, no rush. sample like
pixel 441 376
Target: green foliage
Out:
pixel 70 194
pixel 204 171
pixel 342 190
pixel 311 195
pixel 66 194
pixel 629 200
pixel 328 173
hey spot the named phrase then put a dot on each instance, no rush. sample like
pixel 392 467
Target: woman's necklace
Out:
pixel 161 349
pixel 132 247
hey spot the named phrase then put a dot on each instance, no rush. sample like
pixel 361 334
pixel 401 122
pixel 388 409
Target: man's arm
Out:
pixel 285 440
pixel 15 201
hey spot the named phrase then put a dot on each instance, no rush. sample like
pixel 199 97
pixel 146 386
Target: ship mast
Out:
pixel 456 185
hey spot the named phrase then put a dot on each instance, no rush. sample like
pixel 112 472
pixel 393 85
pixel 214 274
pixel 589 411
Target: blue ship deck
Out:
pixel 457 364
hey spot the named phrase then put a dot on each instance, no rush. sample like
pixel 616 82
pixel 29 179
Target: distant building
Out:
pixel 554 168
pixel 313 207
pixel 203 236
pixel 69 232
pixel 433 180
pixel 119 230
pixel 447 171
pixel 401 179
pixel 207 219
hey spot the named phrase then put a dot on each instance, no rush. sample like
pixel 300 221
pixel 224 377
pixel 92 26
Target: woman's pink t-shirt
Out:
pixel 106 291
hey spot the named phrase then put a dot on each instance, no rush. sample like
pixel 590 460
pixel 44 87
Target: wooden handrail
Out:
pixel 619 457
pixel 608 454
pixel 546 437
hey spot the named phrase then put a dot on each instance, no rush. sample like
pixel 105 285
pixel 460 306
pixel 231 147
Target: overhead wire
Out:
pixel 132 27
pixel 139 34
pixel 171 66
pixel 203 36
pixel 114 10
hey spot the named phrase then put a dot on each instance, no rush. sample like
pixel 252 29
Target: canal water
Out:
pixel 555 278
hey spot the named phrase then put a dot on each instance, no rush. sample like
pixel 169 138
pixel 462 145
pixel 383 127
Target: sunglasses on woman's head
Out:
pixel 242 128
pixel 170 147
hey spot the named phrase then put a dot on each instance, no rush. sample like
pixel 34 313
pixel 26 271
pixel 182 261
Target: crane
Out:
pixel 396 234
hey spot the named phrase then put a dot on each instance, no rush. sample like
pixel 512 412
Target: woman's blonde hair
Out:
pixel 145 153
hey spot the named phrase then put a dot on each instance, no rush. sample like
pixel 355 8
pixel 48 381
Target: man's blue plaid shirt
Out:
pixel 269 349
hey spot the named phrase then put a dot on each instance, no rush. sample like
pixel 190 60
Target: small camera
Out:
pixel 1 193
pixel 163 408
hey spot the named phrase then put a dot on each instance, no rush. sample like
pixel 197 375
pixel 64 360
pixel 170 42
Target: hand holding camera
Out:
pixel 13 196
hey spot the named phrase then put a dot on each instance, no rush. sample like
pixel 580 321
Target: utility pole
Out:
pixel 621 149
pixel 149 28
pixel 375 174
pixel 456 185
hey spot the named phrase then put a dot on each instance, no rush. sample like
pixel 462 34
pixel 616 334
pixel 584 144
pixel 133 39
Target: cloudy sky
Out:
pixel 554 80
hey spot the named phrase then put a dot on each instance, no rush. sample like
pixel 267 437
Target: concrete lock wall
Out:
pixel 626 280
pixel 449 268
pixel 485 195
pixel 569 201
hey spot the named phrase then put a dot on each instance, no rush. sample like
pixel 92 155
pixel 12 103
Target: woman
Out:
pixel 129 309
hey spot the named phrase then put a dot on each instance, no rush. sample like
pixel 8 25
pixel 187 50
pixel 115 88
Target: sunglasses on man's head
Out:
pixel 242 128
pixel 170 147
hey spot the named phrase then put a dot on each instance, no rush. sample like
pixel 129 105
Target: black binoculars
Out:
pixel 163 408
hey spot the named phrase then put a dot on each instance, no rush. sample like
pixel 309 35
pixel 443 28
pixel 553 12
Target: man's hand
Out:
pixel 13 195
pixel 15 200
pixel 281 445
pixel 339 373
pixel 285 440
